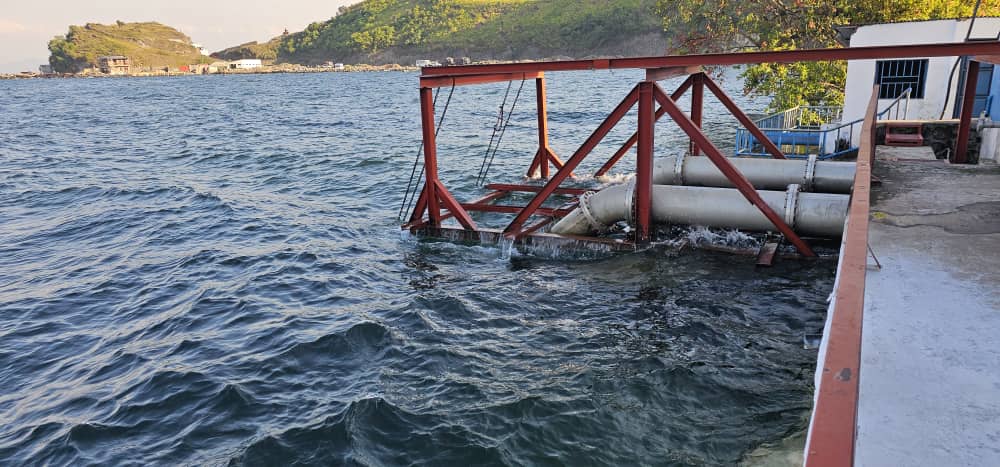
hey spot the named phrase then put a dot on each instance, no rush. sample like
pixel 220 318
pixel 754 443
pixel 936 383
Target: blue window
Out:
pixel 896 76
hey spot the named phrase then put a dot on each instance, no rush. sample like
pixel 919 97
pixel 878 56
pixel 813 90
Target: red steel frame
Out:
pixel 646 94
pixel 831 438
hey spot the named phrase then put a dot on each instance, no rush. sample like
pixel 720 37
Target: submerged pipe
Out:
pixel 809 214
pixel 764 174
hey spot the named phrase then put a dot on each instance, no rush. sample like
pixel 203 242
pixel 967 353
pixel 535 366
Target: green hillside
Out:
pixel 146 44
pixel 396 30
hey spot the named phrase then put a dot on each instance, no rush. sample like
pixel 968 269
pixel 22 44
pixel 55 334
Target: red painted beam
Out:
pixel 731 173
pixel 535 189
pixel 644 163
pixel 480 207
pixel 466 80
pixel 697 105
pixel 965 120
pixel 738 58
pixel 832 430
pixel 430 156
pixel 514 229
pixel 635 136
pixel 660 74
pixel 743 118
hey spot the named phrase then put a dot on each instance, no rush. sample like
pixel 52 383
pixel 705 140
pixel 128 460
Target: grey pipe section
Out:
pixel 764 174
pixel 809 214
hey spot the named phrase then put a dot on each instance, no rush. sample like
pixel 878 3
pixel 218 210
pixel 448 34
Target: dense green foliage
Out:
pixel 724 25
pixel 509 28
pixel 146 44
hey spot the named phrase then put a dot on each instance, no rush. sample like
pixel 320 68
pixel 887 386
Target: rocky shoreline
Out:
pixel 269 69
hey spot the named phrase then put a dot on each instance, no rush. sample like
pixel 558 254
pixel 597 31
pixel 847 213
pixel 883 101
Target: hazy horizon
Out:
pixel 26 28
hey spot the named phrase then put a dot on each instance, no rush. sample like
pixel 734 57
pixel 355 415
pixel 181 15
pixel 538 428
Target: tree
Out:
pixel 703 26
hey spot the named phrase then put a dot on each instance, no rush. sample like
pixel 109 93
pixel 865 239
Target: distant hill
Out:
pixel 399 31
pixel 146 44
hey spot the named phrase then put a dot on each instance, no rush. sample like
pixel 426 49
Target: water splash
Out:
pixel 699 235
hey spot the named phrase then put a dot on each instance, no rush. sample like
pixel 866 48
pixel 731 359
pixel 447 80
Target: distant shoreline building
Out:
pixel 114 65
pixel 246 64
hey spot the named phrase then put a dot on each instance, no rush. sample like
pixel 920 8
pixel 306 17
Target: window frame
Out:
pixel 894 76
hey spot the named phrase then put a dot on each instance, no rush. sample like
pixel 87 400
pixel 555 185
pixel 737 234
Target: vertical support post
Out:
pixel 644 162
pixel 965 120
pixel 543 128
pixel 430 156
pixel 697 104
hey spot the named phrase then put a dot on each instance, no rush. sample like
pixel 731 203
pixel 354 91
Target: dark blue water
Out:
pixel 209 270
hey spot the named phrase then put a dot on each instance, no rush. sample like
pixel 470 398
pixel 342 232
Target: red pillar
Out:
pixel 697 103
pixel 430 155
pixel 543 128
pixel 965 121
pixel 644 163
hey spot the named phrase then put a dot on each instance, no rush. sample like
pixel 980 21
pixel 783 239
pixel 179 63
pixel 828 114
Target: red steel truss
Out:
pixel 831 437
pixel 436 204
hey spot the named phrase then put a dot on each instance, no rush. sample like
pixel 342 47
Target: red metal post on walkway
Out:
pixel 965 120
pixel 644 162
pixel 731 173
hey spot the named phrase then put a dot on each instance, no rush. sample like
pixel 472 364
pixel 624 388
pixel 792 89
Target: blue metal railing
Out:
pixel 796 133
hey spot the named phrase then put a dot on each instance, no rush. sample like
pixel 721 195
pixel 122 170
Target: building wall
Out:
pixel 989 149
pixel 861 73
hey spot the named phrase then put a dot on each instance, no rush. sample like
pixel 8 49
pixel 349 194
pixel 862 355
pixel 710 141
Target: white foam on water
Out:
pixel 699 235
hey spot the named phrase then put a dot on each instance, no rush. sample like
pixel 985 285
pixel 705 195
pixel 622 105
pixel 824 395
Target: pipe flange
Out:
pixel 810 173
pixel 585 210
pixel 679 169
pixel 791 204
pixel 630 202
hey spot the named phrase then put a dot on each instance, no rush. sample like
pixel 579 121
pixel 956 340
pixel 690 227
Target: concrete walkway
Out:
pixel 930 358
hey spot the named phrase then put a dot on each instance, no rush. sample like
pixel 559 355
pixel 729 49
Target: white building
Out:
pixel 201 49
pixel 929 78
pixel 246 64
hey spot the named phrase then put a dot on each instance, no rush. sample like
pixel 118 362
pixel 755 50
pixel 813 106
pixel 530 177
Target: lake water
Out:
pixel 209 270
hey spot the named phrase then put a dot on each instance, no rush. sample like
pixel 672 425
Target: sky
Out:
pixel 26 26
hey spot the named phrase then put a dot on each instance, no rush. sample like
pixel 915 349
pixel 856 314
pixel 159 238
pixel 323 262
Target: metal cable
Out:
pixel 502 131
pixel 413 171
pixel 496 128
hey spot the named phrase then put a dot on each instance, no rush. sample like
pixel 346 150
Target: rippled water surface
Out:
pixel 209 270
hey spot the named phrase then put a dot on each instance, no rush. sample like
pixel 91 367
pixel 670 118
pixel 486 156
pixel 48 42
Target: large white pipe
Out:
pixel 764 174
pixel 809 214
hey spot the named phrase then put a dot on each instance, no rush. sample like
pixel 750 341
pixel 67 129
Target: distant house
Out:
pixel 114 65
pixel 246 64
pixel 338 66
pixel 202 50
